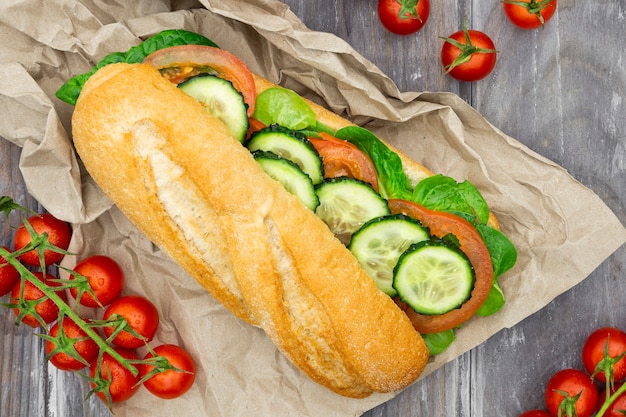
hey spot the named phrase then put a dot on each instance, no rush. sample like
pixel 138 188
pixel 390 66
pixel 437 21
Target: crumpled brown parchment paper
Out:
pixel 553 220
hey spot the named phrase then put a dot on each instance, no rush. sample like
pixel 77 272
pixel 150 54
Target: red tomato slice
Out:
pixel 441 224
pixel 188 58
pixel 341 158
pixel 255 126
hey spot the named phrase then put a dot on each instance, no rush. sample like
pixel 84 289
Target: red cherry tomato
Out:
pixel 468 55
pixel 141 315
pixel 529 14
pixel 170 383
pixel 593 354
pixel 106 279
pixel 46 308
pixel 123 384
pixel 75 338
pixel 535 413
pixel 403 17
pixel 59 234
pixel 8 276
pixel 581 394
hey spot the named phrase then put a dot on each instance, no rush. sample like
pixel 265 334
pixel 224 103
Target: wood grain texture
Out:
pixel 560 90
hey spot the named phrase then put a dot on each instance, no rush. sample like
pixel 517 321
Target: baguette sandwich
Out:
pixel 224 183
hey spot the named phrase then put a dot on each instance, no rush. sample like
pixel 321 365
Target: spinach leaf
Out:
pixel 392 181
pixel 438 342
pixel 443 193
pixel 70 91
pixel 502 251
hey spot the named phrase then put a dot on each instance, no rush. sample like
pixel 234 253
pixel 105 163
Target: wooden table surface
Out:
pixel 560 90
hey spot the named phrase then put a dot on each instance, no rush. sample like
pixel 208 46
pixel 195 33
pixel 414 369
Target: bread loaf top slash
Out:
pixel 198 194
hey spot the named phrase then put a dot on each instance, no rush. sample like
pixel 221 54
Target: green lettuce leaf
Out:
pixel 70 91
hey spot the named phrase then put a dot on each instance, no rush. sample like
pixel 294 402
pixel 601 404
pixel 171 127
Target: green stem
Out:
pixel 608 401
pixel 64 308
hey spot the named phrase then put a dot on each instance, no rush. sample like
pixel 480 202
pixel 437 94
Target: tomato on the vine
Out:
pixel 571 392
pixel 59 234
pixel 8 276
pixel 74 340
pixel 122 383
pixel 140 314
pixel 403 17
pixel 171 383
pixel 105 277
pixel 611 341
pixel 535 413
pixel 468 55
pixel 529 14
pixel 45 307
pixel 618 407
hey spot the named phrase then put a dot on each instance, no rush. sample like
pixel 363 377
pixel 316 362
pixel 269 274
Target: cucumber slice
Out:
pixel 290 145
pixel 346 204
pixel 221 100
pixel 380 242
pixel 433 278
pixel 290 176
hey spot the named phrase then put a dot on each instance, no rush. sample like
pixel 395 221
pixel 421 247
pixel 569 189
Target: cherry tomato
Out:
pixel 171 383
pixel 123 384
pixel 8 276
pixel 581 394
pixel 529 14
pixel 594 361
pixel 403 17
pixel 141 315
pixel 468 55
pixel 342 158
pixel 47 309
pixel 59 234
pixel 84 346
pixel 618 407
pixel 535 413
pixel 180 62
pixel 106 279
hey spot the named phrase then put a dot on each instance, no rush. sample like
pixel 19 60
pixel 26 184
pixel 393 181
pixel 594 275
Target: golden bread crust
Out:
pixel 200 196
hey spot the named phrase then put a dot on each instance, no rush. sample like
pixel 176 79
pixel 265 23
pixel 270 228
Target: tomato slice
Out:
pixel 255 126
pixel 342 158
pixel 186 60
pixel 441 224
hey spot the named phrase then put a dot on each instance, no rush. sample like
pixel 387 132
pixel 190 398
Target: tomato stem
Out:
pixel 610 399
pixel 533 6
pixel 408 9
pixel 40 243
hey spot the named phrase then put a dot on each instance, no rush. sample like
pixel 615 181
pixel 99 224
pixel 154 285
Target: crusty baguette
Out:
pixel 200 196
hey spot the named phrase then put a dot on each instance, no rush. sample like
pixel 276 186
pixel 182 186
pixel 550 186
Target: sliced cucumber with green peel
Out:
pixel 433 278
pixel 378 244
pixel 289 145
pixel 346 204
pixel 290 176
pixel 221 100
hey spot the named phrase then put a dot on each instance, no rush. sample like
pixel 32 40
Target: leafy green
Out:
pixel 502 251
pixel 493 303
pixel 392 181
pixel 439 192
pixel 438 342
pixel 284 107
pixel 70 91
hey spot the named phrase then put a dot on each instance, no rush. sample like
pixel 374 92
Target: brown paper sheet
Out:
pixel 552 219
